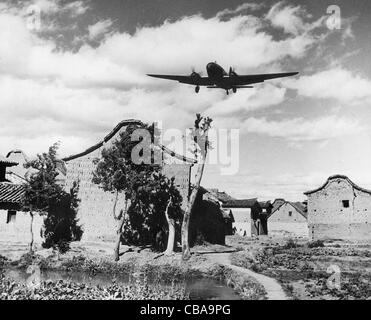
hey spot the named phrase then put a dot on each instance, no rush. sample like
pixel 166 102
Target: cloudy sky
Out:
pixel 79 74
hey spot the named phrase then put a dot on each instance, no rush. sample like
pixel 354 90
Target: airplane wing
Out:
pixel 256 78
pixel 201 81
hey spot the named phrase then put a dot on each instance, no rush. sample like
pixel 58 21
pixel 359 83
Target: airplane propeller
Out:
pixel 194 73
pixel 232 71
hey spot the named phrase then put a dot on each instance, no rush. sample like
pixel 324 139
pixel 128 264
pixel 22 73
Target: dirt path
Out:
pixel 271 286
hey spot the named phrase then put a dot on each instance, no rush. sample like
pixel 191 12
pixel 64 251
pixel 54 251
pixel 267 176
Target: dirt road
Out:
pixel 271 286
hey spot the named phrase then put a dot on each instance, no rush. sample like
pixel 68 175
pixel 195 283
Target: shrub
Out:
pixel 316 244
pixel 290 243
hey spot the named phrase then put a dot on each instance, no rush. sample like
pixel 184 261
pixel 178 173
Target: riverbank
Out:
pixel 159 276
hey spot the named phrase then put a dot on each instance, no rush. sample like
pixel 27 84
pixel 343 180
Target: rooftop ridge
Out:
pixel 113 132
pixel 338 176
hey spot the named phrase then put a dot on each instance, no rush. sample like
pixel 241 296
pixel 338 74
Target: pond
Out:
pixel 198 289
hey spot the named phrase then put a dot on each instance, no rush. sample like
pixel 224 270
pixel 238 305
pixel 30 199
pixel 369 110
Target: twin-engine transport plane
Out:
pixel 219 78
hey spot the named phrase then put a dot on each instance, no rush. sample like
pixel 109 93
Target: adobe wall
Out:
pixel 19 230
pixel 282 215
pixel 242 220
pixel 327 218
pixel 288 229
pixel 95 211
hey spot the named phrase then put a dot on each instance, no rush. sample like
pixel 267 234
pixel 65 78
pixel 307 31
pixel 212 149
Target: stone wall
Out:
pixel 329 218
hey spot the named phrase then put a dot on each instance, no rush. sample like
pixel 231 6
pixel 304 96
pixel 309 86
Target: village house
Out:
pixel 249 216
pixel 95 206
pixel 288 219
pixel 209 221
pixel 339 209
pixel 14 223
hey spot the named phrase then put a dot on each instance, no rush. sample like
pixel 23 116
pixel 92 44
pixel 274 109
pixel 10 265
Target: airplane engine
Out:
pixel 232 72
pixel 195 75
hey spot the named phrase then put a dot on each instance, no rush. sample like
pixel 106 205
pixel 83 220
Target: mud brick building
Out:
pixel 14 223
pixel 288 218
pixel 339 209
pixel 250 218
pixel 289 212
pixel 95 208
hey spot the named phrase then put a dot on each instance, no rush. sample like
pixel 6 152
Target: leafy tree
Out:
pixel 149 196
pixel 43 195
pixel 118 174
pixel 61 224
pixel 200 137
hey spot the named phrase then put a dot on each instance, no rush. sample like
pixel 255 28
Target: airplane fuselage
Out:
pixel 218 75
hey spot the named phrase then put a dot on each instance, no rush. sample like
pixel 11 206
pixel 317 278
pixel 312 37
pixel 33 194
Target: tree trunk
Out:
pixel 120 224
pixel 31 230
pixel 186 252
pixel 171 236
pixel 120 219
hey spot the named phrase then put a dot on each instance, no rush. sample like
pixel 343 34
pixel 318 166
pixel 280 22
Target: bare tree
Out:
pixel 200 137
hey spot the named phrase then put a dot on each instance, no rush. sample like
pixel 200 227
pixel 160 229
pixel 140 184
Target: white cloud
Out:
pixel 245 7
pixel 46 93
pixel 300 129
pixel 48 7
pixel 292 19
pixel 288 18
pixel 99 29
pixel 248 100
pixel 337 83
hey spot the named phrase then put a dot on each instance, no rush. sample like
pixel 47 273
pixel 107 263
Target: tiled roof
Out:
pixel 265 204
pixel 11 193
pixel 222 196
pixel 240 203
pixel 7 162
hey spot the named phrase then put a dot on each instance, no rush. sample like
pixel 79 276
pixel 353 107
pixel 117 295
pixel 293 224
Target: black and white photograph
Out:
pixel 192 150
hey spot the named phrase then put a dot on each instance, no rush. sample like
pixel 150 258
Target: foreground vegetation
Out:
pixel 310 270
pixel 145 278
pixel 138 288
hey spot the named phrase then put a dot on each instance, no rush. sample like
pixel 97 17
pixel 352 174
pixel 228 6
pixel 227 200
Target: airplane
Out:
pixel 218 78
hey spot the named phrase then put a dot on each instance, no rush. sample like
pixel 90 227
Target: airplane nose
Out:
pixel 210 65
